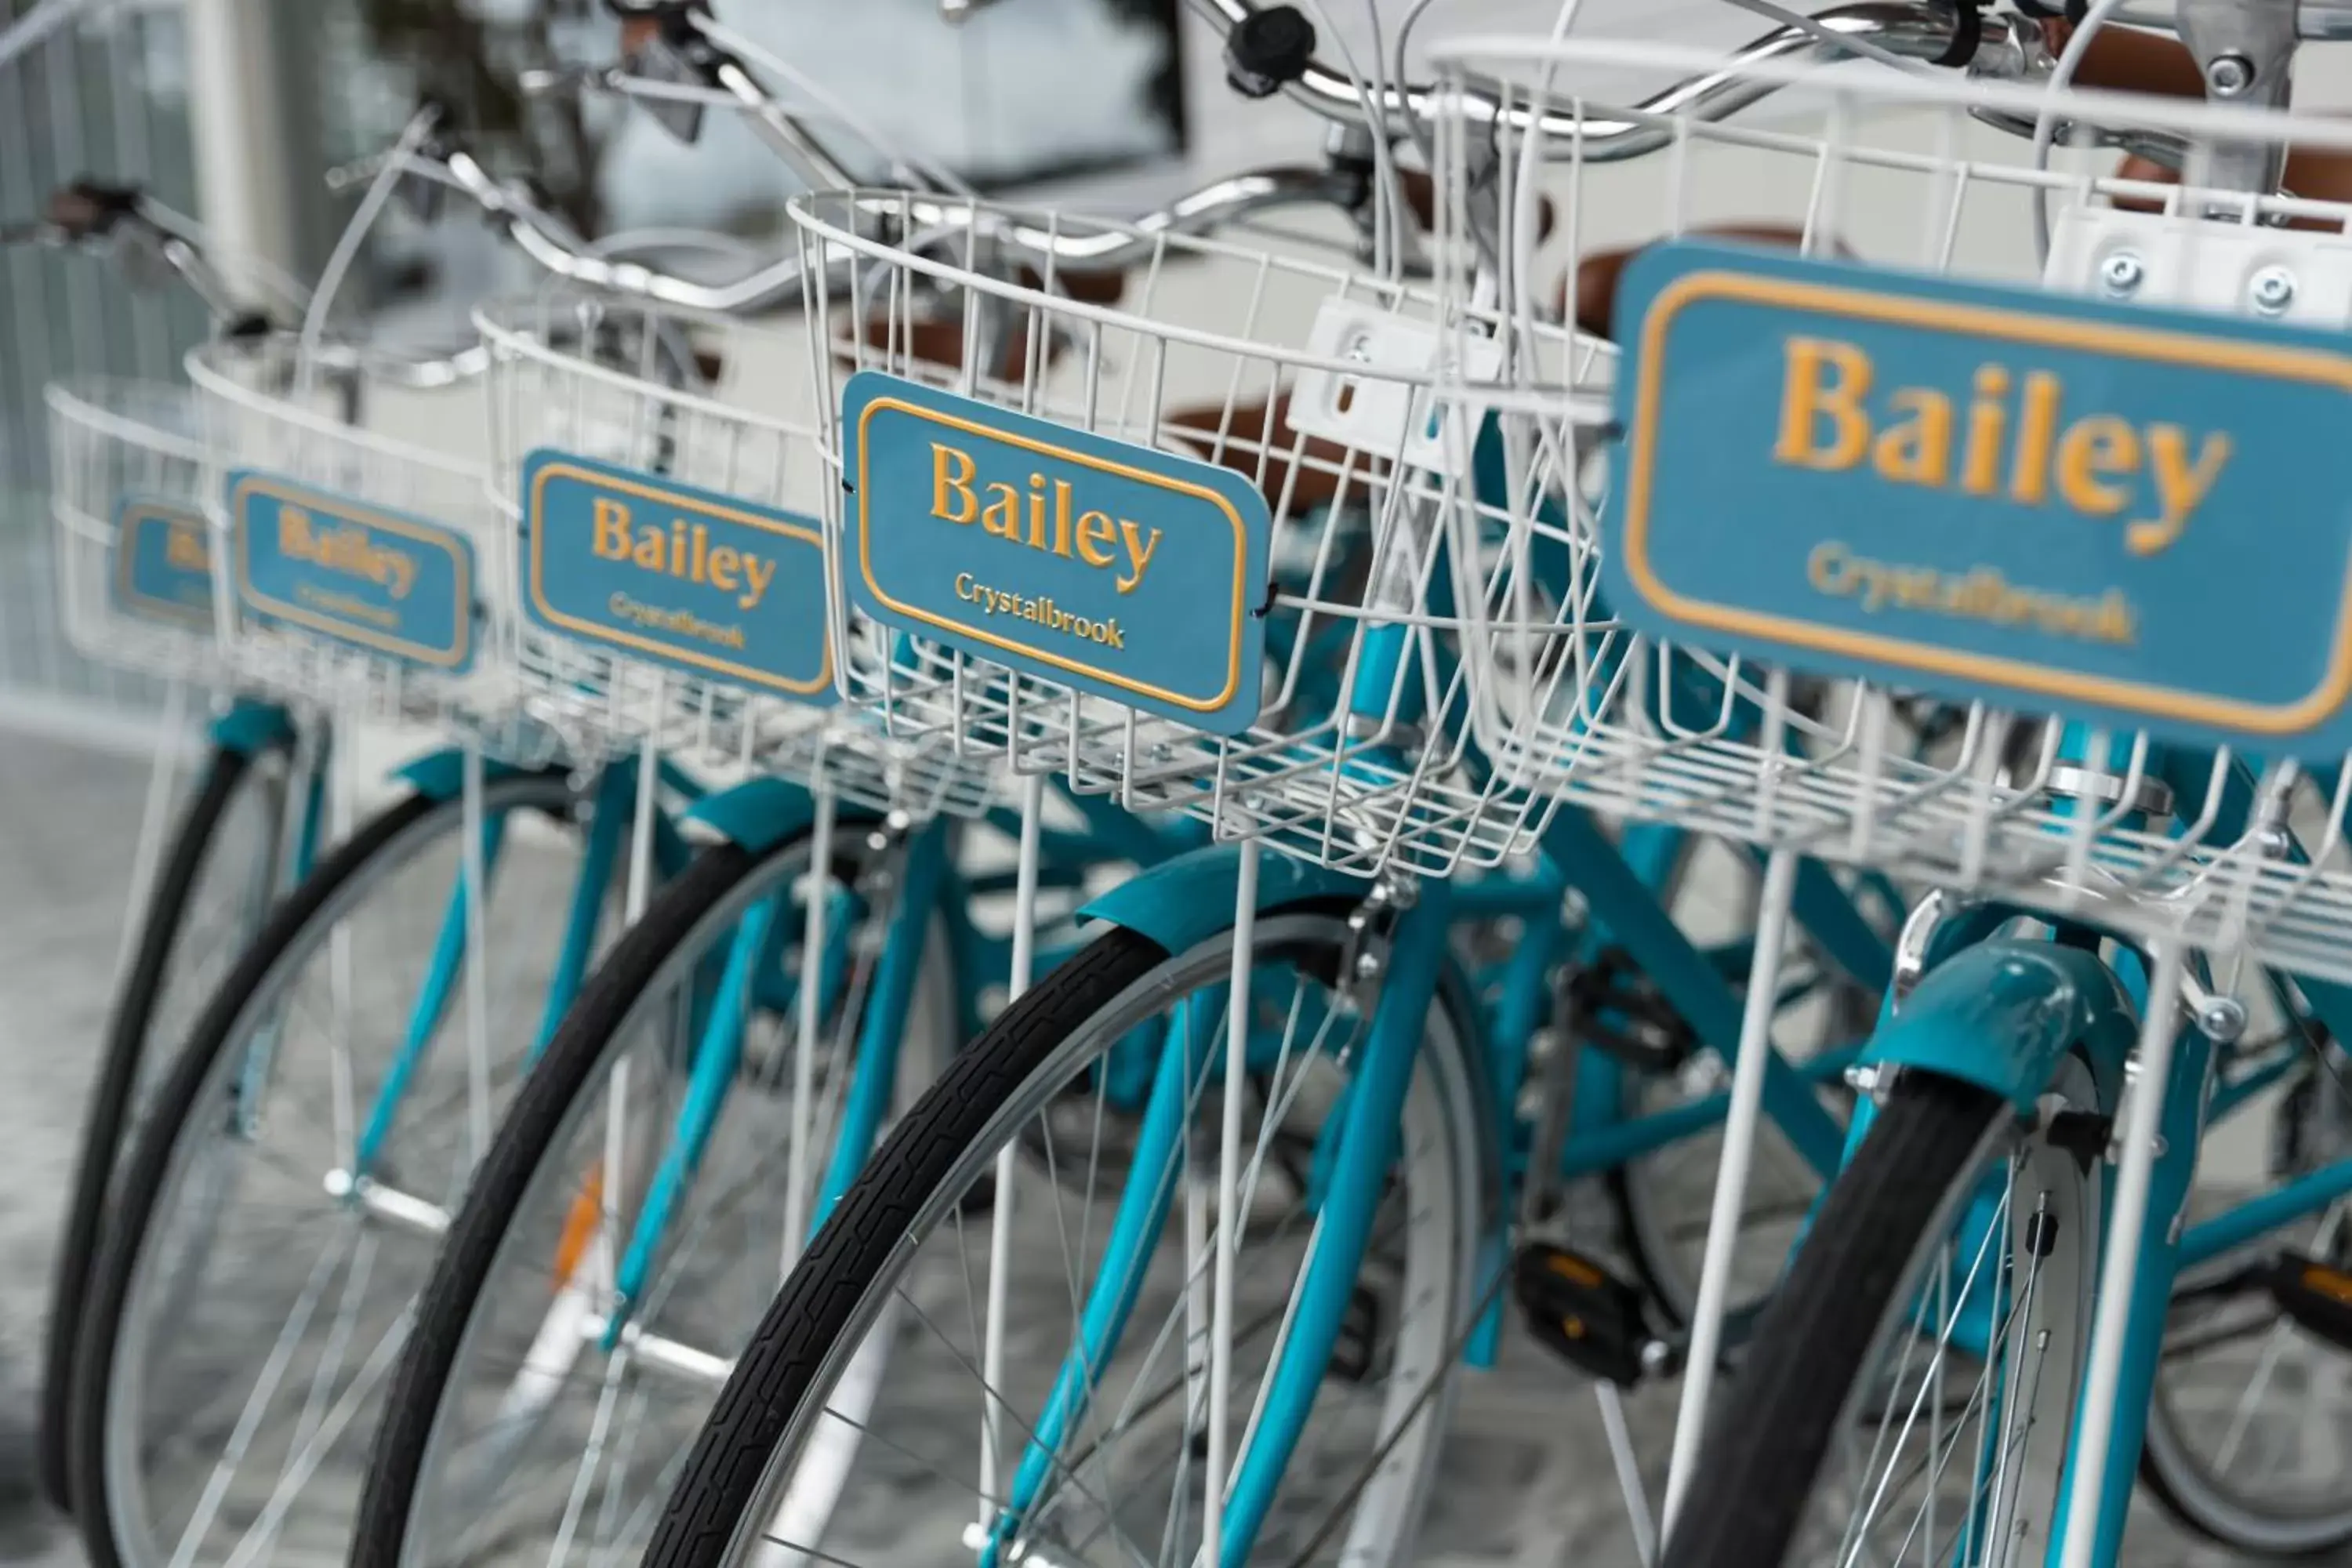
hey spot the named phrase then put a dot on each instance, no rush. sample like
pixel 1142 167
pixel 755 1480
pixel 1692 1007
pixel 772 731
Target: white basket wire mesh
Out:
pixel 1311 379
pixel 621 383
pixel 129 474
pixel 1925 173
pixel 404 455
pixel 85 91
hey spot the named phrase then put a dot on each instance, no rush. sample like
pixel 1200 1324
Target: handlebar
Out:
pixel 86 211
pixel 1904 27
pixel 1912 29
pixel 2008 47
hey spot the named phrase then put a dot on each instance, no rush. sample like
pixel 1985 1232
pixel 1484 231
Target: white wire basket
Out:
pixel 1311 381
pixel 397 477
pixel 1921 176
pixel 128 490
pixel 704 428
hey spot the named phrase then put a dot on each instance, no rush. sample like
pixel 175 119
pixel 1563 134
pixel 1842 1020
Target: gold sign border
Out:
pixel 1101 464
pixel 134 512
pixel 286 490
pixel 2159 345
pixel 595 631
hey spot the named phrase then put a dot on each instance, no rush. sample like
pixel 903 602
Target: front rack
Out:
pixel 673 406
pixel 1312 382
pixel 1912 176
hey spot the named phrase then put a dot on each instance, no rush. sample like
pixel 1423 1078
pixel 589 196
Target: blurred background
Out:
pixel 240 111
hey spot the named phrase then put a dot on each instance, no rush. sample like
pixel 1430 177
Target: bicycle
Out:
pixel 632 1325
pixel 451 1436
pixel 1380 784
pixel 1963 1353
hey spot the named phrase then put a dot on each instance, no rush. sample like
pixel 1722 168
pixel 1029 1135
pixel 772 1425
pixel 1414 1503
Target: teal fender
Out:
pixel 1183 901
pixel 2002 1014
pixel 441 775
pixel 249 728
pixel 759 814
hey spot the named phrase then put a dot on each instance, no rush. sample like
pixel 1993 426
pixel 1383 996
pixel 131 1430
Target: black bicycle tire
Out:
pixel 149 1161
pixel 120 1057
pixel 1771 1426
pixel 533 1121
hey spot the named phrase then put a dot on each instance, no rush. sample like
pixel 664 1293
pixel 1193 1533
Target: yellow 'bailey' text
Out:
pixel 1054 523
pixel 2029 450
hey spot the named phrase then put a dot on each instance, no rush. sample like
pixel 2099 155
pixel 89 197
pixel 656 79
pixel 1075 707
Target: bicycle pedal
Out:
pixel 2317 1295
pixel 1586 1315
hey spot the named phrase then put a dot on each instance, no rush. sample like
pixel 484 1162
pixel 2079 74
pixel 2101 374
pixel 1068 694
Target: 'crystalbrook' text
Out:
pixel 1044 612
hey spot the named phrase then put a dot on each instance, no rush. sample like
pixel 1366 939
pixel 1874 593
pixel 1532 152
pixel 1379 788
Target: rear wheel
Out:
pixel 2250 1424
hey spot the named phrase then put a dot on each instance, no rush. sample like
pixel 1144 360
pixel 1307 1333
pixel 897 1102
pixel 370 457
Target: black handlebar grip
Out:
pixel 1268 50
pixel 87 207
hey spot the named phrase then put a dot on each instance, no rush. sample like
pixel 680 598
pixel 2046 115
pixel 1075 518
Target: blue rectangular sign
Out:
pixel 1129 573
pixel 679 575
pixel 329 563
pixel 2130 515
pixel 163 561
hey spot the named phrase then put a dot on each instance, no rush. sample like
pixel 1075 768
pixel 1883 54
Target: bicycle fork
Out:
pixel 1371 1117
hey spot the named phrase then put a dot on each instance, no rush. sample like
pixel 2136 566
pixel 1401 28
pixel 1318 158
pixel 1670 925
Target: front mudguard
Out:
pixel 759 814
pixel 249 728
pixel 441 775
pixel 2003 1015
pixel 1185 901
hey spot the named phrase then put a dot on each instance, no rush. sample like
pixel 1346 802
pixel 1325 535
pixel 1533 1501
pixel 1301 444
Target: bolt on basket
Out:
pixel 1183 364
pixel 127 495
pixel 659 482
pixel 362 562
pixel 1762 593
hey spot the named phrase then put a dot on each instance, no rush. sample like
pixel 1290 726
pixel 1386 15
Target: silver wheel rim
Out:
pixel 1441 1153
pixel 344 1313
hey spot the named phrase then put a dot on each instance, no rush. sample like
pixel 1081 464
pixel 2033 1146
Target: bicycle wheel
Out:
pixel 1662 1199
pixel 2252 1413
pixel 1909 1394
pixel 249 1296
pixel 211 892
pixel 817 1449
pixel 518 1426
